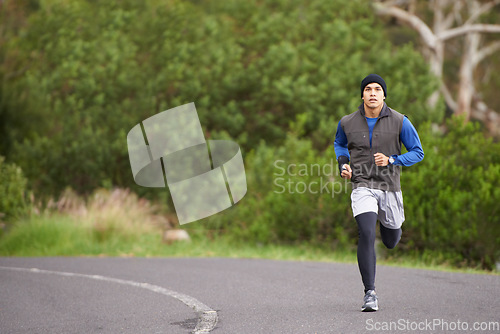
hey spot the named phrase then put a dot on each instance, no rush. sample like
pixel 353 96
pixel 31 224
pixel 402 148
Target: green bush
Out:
pixel 294 195
pixel 451 197
pixel 12 191
pixel 84 73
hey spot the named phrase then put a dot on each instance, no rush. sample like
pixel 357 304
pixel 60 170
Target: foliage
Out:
pixel 108 213
pixel 12 191
pixel 451 198
pixel 294 195
pixel 106 220
pixel 80 74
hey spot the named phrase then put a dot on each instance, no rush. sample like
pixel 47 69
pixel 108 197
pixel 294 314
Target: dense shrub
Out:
pixel 451 198
pixel 12 191
pixel 294 194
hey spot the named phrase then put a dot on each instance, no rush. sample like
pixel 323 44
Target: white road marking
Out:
pixel 208 316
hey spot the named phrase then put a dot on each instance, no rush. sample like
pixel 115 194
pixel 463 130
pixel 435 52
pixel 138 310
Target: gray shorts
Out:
pixel 388 205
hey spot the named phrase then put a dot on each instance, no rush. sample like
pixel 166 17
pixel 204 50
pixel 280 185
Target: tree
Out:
pixel 80 74
pixel 453 19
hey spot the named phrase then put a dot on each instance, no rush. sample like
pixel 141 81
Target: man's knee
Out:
pixel 366 234
pixel 390 244
pixel 390 237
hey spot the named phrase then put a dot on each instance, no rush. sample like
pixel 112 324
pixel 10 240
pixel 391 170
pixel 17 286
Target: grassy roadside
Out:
pixel 118 223
pixel 60 235
pixel 63 236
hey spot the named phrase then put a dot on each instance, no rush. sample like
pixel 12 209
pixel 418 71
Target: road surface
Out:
pixel 216 295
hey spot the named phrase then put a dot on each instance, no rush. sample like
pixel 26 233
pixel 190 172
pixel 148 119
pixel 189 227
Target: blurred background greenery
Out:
pixel 275 76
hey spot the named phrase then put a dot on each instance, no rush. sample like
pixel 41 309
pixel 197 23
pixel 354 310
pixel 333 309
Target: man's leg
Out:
pixel 391 217
pixel 390 237
pixel 366 248
pixel 365 211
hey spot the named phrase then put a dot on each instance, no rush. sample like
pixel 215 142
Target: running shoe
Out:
pixel 370 301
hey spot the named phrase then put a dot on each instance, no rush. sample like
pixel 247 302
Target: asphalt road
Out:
pixel 137 295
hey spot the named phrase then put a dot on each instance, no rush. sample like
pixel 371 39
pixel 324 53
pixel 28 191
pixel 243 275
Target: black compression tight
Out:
pixel 367 223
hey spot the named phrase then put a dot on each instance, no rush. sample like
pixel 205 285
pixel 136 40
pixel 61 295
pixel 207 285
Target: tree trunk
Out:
pixel 466 84
pixel 487 116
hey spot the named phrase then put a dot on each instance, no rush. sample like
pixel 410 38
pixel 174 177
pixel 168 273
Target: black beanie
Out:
pixel 373 78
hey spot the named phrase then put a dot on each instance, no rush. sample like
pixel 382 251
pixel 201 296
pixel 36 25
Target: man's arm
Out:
pixel 340 146
pixel 409 138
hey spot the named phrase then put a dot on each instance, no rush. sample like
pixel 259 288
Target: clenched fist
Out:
pixel 381 159
pixel 346 171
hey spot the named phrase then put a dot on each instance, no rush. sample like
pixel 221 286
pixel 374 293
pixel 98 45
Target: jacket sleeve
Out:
pixel 410 139
pixel 340 144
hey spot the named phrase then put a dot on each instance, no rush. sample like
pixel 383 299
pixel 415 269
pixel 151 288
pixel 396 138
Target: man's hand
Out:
pixel 346 171
pixel 381 159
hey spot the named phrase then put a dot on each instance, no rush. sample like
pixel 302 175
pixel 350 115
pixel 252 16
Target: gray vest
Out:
pixel 385 139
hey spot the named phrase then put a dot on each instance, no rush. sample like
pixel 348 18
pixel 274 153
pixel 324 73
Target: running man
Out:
pixel 368 149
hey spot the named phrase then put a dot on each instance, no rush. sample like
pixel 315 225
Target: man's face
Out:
pixel 373 95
